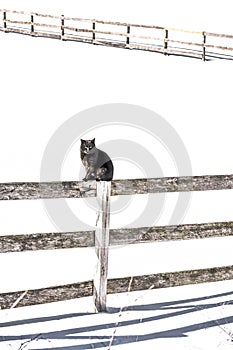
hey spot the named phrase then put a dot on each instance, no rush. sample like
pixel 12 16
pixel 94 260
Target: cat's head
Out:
pixel 87 145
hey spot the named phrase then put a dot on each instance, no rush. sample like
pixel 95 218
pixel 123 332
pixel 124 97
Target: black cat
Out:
pixel 97 163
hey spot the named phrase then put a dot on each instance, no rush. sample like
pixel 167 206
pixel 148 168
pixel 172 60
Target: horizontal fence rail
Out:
pixel 80 189
pixel 84 239
pixel 168 41
pixel 118 285
pixel 103 237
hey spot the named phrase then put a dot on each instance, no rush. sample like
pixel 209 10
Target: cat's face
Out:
pixel 87 145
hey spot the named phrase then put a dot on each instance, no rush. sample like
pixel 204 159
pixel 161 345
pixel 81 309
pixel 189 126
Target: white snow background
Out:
pixel 44 83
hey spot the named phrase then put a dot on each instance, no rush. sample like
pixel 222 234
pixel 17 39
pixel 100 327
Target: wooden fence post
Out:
pixel 165 42
pixel 62 27
pixel 102 245
pixel 4 20
pixel 204 48
pixel 128 38
pixel 93 31
pixel 32 24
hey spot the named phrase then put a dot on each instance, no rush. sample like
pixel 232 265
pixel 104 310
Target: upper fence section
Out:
pixel 81 189
pixel 168 41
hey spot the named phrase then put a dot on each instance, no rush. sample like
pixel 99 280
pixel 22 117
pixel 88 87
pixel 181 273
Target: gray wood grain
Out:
pixel 46 241
pixel 120 285
pixel 46 295
pixel 102 245
pixel 45 190
pixel 64 240
pixel 170 233
pixel 81 189
pixel 173 279
pixel 172 184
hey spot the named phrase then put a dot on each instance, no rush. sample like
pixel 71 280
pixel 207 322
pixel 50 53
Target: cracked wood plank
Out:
pixel 47 190
pixel 119 285
pixel 172 184
pixel 102 246
pixel 172 279
pixel 81 189
pixel 65 240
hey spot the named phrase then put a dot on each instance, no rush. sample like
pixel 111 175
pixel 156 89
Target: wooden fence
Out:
pixel 168 41
pixel 103 237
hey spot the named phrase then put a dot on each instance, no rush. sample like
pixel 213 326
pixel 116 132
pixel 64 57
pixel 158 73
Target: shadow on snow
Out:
pixel 174 308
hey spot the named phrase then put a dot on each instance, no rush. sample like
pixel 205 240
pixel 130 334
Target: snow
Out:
pixel 58 267
pixel 47 85
pixel 44 83
pixel 188 317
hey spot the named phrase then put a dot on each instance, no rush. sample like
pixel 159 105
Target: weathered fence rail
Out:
pixel 168 41
pixel 103 237
pixel 80 189
pixel 119 285
pixel 84 239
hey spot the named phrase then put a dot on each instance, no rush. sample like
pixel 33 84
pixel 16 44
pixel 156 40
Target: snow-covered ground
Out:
pixel 47 82
pixel 188 317
pixel 31 270
pixel 44 83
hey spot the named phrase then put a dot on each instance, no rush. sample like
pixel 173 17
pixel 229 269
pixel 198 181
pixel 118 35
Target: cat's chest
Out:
pixel 90 159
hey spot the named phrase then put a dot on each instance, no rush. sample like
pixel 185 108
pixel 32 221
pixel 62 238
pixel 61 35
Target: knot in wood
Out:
pixel 146 236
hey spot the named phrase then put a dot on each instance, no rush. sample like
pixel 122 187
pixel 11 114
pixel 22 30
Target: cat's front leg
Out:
pixel 90 175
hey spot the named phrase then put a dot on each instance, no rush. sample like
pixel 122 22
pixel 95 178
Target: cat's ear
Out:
pixel 93 141
pixel 82 141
